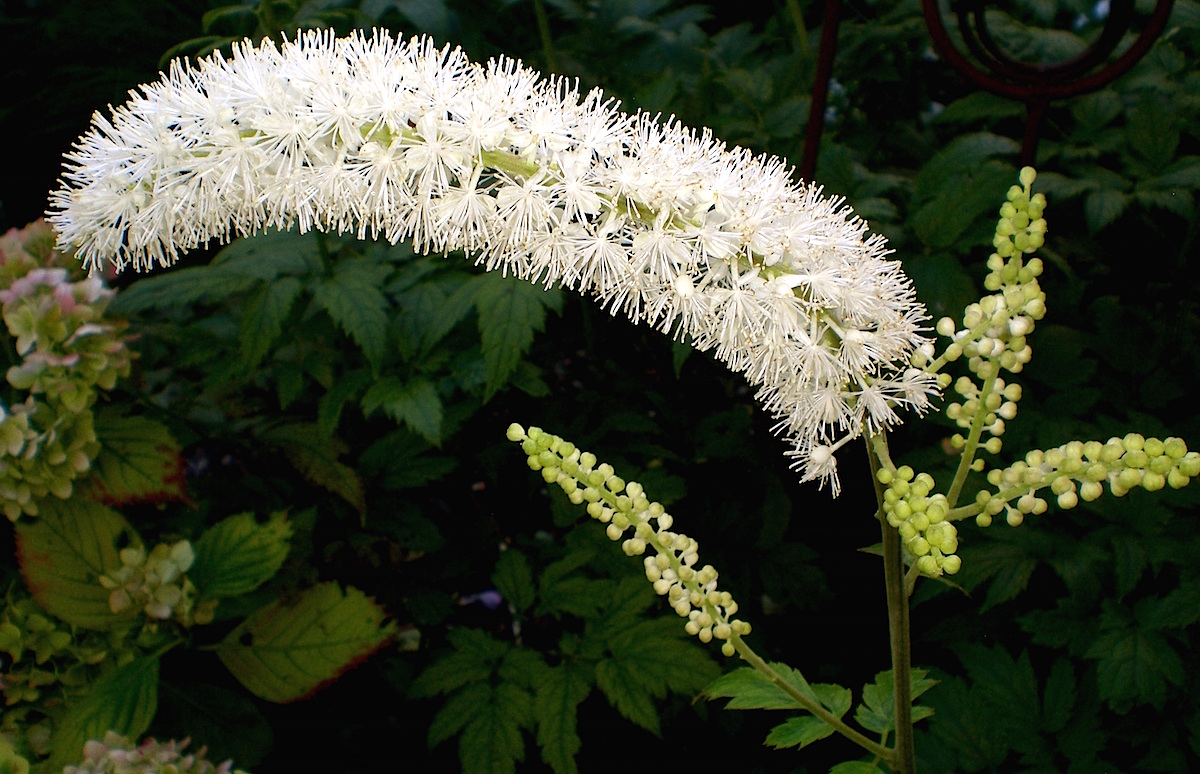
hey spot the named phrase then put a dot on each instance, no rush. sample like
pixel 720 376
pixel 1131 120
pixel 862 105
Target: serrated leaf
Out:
pixel 238 555
pixel 1179 608
pixel 878 711
pixel 180 287
pixel 554 707
pixel 346 388
pixel 270 254
pixel 415 403
pixel 316 457
pixel 492 741
pixel 123 700
pixel 290 648
pixel 510 311
pixel 747 688
pixel 354 300
pixel 262 322
pixel 625 690
pixel 662 656
pixel 476 655
pixel 459 710
pixel 64 552
pixel 513 578
pixel 999 680
pixel 798 732
pixel 139 462
pixel 1103 206
pixel 1058 704
pixel 1134 666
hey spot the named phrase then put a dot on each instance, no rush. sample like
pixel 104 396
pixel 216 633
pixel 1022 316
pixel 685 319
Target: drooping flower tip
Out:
pixel 404 140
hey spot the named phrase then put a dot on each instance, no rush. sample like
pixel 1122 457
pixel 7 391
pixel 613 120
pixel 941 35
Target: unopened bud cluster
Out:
pixel 117 755
pixel 1079 471
pixel 920 518
pixel 67 352
pixel 623 506
pixel 156 583
pixel 994 330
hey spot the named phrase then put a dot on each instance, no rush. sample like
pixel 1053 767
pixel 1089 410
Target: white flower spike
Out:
pixel 381 137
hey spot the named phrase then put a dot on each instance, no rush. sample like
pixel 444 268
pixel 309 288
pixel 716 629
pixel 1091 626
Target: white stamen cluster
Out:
pixel 379 137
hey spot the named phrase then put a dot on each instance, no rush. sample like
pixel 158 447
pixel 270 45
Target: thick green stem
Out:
pixel 904 759
pixel 753 659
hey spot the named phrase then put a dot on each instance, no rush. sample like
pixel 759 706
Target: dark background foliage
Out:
pixel 1069 644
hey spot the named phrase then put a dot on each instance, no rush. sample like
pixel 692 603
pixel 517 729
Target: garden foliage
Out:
pixel 308 435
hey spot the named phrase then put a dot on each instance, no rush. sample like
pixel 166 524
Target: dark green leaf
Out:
pixel 475 656
pixel 1058 704
pixel 316 457
pixel 513 578
pixel 1135 667
pixel 624 686
pixel 492 741
pixel 354 299
pixel 510 311
pixel 263 319
pixel 554 707
pixel 415 403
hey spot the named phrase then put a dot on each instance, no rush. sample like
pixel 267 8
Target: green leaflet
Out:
pixel 287 649
pixel 878 709
pixel 510 311
pixel 1135 666
pixel 64 552
pixel 414 403
pixel 238 554
pixel 316 456
pixel 621 683
pixel 139 462
pixel 555 703
pixel 491 741
pixel 179 288
pixel 514 580
pixel 262 322
pixel 490 685
pixel 353 298
pixel 123 700
pixel 798 732
pixel 747 688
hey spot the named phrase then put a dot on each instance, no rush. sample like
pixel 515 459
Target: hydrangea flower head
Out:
pixel 407 141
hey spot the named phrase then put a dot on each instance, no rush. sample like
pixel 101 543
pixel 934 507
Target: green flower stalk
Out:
pixel 623 506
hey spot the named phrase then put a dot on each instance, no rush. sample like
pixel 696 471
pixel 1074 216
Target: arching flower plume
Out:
pixel 379 137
